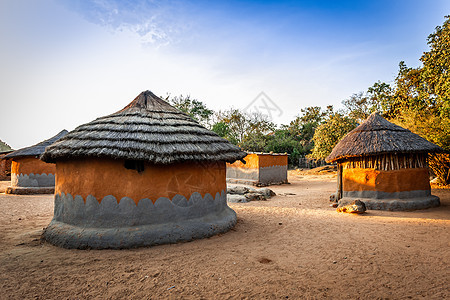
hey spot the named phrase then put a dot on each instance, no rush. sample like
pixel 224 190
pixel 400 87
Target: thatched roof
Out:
pixel 147 129
pixel 38 149
pixel 376 136
pixel 4 147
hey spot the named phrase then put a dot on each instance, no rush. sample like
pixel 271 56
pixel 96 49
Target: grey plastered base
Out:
pixel 273 175
pixel 108 224
pixel 32 180
pixel 264 176
pixel 408 200
pixel 242 173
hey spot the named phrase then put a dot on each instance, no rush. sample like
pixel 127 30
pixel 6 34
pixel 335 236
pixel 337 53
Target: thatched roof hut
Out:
pixel 377 136
pixel 145 175
pixel 148 129
pixel 385 164
pixel 30 175
pixel 38 149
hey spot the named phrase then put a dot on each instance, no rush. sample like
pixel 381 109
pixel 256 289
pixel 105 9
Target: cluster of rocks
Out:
pixel 244 194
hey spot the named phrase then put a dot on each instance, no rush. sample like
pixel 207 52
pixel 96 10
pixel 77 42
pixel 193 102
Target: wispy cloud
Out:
pixel 157 23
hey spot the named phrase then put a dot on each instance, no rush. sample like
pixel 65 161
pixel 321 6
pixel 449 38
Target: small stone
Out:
pixel 333 198
pixel 334 262
pixel 356 206
pixel 280 223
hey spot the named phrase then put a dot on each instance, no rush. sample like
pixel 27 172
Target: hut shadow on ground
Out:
pixel 441 212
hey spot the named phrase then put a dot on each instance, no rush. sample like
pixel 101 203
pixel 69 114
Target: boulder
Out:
pixel 266 192
pixel 243 194
pixel 235 198
pixel 356 206
pixel 254 196
pixel 237 190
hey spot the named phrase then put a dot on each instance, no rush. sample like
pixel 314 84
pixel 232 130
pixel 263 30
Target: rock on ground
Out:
pixel 254 196
pixel 237 189
pixel 237 194
pixel 356 206
pixel 234 198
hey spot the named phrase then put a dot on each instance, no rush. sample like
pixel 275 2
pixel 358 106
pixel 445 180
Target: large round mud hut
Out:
pixel 146 175
pixel 30 175
pixel 385 166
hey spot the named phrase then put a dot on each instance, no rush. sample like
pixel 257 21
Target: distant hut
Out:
pixel 145 175
pixel 30 175
pixel 259 169
pixel 5 163
pixel 385 166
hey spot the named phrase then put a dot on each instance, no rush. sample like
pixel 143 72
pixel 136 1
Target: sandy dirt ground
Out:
pixel 292 246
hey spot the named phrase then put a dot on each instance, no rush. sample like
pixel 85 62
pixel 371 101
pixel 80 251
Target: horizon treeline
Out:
pixel 418 99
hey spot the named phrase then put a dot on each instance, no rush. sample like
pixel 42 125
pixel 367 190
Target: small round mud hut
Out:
pixel 30 175
pixel 385 166
pixel 146 175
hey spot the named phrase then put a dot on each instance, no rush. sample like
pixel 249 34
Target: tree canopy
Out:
pixel 418 99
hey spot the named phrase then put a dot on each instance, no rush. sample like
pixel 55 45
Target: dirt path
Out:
pixel 292 246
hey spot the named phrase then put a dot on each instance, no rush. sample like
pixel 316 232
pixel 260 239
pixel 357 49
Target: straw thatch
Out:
pixel 387 162
pixel 4 147
pixel 38 149
pixel 376 136
pixel 147 129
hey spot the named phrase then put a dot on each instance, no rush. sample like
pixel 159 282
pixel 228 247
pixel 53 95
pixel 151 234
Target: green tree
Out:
pixel 436 68
pixel 236 124
pixel 380 96
pixel 282 141
pixel 330 133
pixel 258 128
pixel 358 106
pixel 196 109
pixel 221 129
pixel 423 96
pixel 302 128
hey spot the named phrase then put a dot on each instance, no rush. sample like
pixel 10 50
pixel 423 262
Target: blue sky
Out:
pixel 65 63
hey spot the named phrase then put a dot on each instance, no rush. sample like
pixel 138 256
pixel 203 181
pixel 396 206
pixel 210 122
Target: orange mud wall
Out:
pixel 102 177
pixel 251 162
pixel 256 161
pixel 272 160
pixel 358 179
pixel 28 165
pixel 260 168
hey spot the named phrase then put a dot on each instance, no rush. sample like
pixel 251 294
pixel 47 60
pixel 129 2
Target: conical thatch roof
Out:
pixel 4 147
pixel 38 149
pixel 147 129
pixel 376 136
